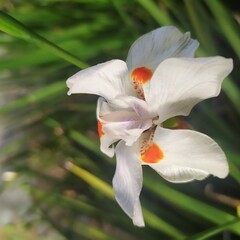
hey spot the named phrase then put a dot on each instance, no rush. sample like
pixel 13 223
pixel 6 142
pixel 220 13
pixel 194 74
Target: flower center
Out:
pixel 140 76
pixel 100 131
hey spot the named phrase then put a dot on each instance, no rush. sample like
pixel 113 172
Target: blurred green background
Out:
pixel 42 129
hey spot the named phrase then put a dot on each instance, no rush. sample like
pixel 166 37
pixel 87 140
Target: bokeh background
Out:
pixel 54 182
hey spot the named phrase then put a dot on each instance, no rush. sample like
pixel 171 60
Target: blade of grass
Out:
pixel 219 124
pixel 86 142
pixel 107 190
pixel 91 179
pixel 213 231
pixel 232 91
pixel 235 171
pixel 94 232
pixel 198 17
pixel 123 15
pixel 64 201
pixel 17 29
pixel 190 204
pixel 226 23
pixel 40 95
pixel 73 230
pixel 35 58
pixel 159 15
pixel 83 207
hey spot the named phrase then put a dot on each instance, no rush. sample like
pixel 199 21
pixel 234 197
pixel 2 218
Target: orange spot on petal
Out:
pixel 153 154
pixel 141 74
pixel 100 131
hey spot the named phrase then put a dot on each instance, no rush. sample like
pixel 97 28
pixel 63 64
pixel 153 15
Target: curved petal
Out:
pixel 158 45
pixel 106 140
pixel 127 182
pixel 109 80
pixel 106 145
pixel 180 83
pixel 188 155
pixel 126 129
pixel 139 106
pixel 124 124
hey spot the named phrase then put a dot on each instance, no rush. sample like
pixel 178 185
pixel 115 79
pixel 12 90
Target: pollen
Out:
pixel 100 131
pixel 141 74
pixel 152 154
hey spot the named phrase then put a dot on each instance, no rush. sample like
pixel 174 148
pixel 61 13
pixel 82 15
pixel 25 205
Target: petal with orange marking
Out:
pixel 140 78
pixel 106 140
pixel 154 47
pixel 158 45
pixel 153 154
pixel 100 131
pixel 188 155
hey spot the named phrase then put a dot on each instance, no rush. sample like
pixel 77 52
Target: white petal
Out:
pixel 140 107
pixel 153 47
pixel 127 182
pixel 180 83
pixel 123 124
pixel 106 145
pixel 109 79
pixel 188 155
pixel 106 140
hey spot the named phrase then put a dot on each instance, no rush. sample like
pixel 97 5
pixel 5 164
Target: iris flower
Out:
pixel 159 80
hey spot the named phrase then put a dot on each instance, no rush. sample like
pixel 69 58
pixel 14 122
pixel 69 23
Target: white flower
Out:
pixel 159 80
